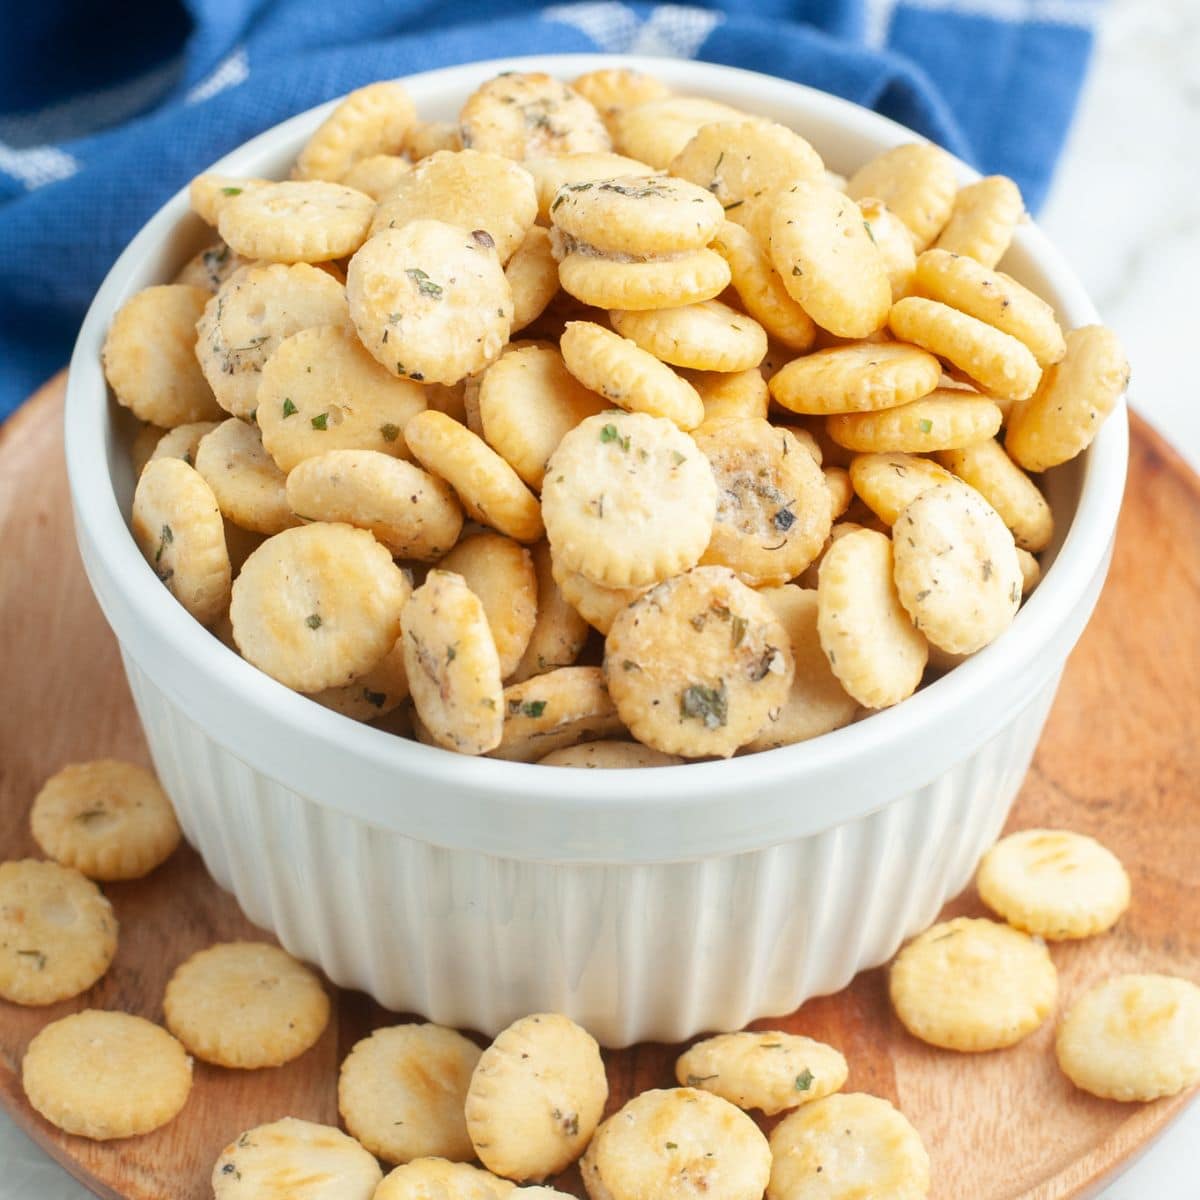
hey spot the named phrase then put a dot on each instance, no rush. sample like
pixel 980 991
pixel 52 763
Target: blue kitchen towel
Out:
pixel 106 109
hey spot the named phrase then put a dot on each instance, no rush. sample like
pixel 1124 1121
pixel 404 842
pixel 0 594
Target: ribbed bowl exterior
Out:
pixel 635 952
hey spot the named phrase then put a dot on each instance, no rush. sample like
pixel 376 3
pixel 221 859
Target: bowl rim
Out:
pixel 128 589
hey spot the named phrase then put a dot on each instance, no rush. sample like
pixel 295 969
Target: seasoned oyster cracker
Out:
pixel 559 632
pixel 1132 1037
pixel 549 174
pixel 255 309
pixel 297 221
pixel 767 1069
pixel 659 282
pixel 536 1097
pixel 377 175
pixel 616 367
pixel 318 606
pixel 245 1004
pixel 401 1092
pixel 916 181
pixel 182 442
pixel 530 115
pixel 655 131
pixel 249 486
pixel 378 692
pixel 210 268
pixel 412 513
pixel 697 665
pixel 609 756
pixel 678 1142
pixel 987 468
pixel 490 490
pixel 868 637
pixel 1053 883
pixel 452 664
pixel 437 1179
pixel 709 336
pixel 148 359
pixel 628 499
pixel 430 301
pixel 58 934
pixel 971 984
pixel 596 604
pixel 178 528
pixel 104 1075
pixel 862 377
pixel 320 390
pixel 888 483
pixel 107 819
pixel 895 243
pixel 847 1147
pixel 296 1159
pixel 469 189
pixel 611 90
pixel 956 568
pixel 500 572
pixel 553 710
pixel 371 120
pixel 209 193
pixel 773 505
pixel 985 215
pixel 946 419
pixel 532 274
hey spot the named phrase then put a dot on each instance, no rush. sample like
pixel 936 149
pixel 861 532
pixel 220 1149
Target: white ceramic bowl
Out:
pixel 646 904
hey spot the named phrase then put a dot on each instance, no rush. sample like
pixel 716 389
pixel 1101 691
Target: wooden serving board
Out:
pixel 1120 760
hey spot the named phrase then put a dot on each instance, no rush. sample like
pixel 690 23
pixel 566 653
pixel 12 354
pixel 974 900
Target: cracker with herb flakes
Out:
pixel 414 514
pixel 1054 883
pixel 437 1179
pixel 709 336
pixel 553 710
pixel 297 1159
pixel 869 640
pixel 297 221
pixel 895 243
pixel 956 568
pixel 774 509
pixel 453 666
pixel 946 419
pixel 655 131
pixel 887 483
pixel 178 528
pixel 971 984
pixel 816 703
pixel 738 160
pixel 528 401
pixel 845 1147
pixel 917 181
pixel 318 606
pixel 1132 1037
pixel 730 395
pixel 609 756
pixel 761 289
pixel 245 1005
pixel 210 268
pixel 248 485
pixel 320 390
pixel 1075 397
pixel 401 1092
pixel 559 631
pixel 551 173
pixel 663 281
pixel 430 301
pixel 377 175
pixel 679 1142
pixel 375 694
pixel 182 441
pixel 532 274
pixel 596 604
pixel 148 359
pixel 991 358
pixel 628 499
pixel 637 214
pixel 58 934
pixel 611 90
pixel 860 377
pixel 536 1097
pixel 983 220
pixel 500 572
pixel 255 309
pixel 468 188
pixel 370 120
pixel 988 469
pixel 614 366
pixel 107 819
pixel 209 193
pixel 697 665
pixel 490 490
pixel 825 256
pixel 105 1075
pixel 765 1069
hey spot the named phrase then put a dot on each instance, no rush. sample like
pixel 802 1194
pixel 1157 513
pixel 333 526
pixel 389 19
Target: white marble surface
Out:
pixel 1126 210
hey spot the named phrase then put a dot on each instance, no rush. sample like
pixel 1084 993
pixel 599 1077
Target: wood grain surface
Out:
pixel 1120 760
